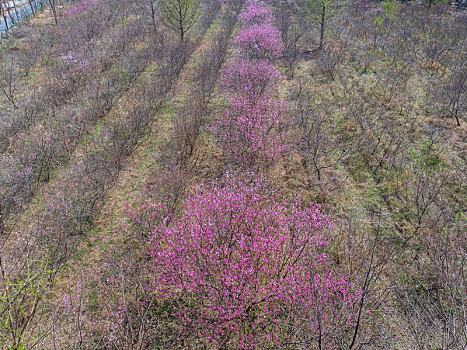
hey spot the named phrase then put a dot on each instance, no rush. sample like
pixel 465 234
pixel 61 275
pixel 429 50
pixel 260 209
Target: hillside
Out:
pixel 204 174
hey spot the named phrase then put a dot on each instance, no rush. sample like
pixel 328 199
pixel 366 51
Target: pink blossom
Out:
pixel 78 7
pixel 260 41
pixel 238 264
pixel 252 131
pixel 253 128
pixel 249 77
pixel 256 13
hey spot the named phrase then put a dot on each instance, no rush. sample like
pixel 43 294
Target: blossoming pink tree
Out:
pixel 252 129
pixel 249 79
pixel 78 7
pixel 260 41
pixel 256 13
pixel 246 270
pixel 252 133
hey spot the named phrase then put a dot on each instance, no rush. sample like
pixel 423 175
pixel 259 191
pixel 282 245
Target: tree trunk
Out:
pixel 54 10
pixel 322 25
pixel 5 20
pixel 182 32
pixel 153 15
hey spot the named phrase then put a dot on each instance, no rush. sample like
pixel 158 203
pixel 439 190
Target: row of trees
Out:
pixel 124 308
pixel 233 266
pixel 251 131
pixel 374 142
pixel 239 262
pixel 113 92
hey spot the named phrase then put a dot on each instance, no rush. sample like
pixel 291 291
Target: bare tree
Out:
pixel 329 60
pixel 451 94
pixel 320 13
pixel 180 15
pixel 291 33
pixel 322 142
pixel 15 66
pixel 152 9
